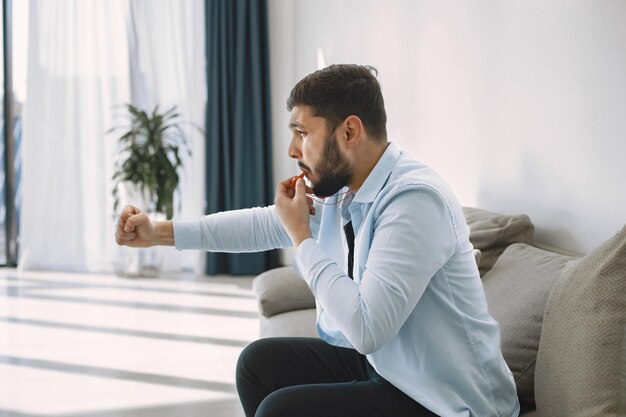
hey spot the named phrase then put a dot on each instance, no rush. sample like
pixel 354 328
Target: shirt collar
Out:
pixel 345 203
pixel 378 176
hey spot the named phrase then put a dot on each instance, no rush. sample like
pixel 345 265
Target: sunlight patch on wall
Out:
pixel 321 61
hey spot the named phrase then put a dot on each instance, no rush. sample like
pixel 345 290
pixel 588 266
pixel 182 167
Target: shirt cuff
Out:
pixel 187 234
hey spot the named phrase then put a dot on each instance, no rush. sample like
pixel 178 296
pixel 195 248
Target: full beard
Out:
pixel 334 170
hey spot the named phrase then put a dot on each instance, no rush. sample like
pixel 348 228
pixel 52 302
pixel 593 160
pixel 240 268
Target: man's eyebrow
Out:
pixel 294 125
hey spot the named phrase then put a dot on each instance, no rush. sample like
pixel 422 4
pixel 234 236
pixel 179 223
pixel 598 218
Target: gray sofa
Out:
pixel 562 316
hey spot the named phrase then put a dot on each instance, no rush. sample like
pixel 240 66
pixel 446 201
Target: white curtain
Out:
pixel 85 57
pixel 77 71
pixel 168 67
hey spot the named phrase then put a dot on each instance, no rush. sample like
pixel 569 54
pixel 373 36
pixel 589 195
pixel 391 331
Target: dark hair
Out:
pixel 339 91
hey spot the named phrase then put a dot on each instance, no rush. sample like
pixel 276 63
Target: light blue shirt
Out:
pixel 416 307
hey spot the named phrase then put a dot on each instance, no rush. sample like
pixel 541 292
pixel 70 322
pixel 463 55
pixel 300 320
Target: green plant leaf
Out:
pixel 149 149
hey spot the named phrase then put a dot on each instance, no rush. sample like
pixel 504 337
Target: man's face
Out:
pixel 318 152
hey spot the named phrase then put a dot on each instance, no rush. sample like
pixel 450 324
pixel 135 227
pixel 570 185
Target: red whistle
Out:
pixel 295 179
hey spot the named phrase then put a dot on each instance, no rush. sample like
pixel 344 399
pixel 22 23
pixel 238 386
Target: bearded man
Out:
pixel 382 242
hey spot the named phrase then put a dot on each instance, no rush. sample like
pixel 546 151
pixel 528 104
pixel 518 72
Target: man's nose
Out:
pixel 293 150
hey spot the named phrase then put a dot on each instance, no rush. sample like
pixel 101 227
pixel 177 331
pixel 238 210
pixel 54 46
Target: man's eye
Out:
pixel 301 133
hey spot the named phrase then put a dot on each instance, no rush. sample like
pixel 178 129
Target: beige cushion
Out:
pixel 493 232
pixel 582 350
pixel 280 290
pixel 517 289
pixel 297 323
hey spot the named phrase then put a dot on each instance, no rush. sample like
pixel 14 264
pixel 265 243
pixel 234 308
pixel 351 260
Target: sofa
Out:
pixel 562 316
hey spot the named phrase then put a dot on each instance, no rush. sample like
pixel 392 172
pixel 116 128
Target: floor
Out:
pixel 101 345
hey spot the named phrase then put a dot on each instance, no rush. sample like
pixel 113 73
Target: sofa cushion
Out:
pixel 517 289
pixel 298 323
pixel 582 350
pixel 280 290
pixel 493 232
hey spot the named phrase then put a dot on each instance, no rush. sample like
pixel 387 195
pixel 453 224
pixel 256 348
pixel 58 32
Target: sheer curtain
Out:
pixel 77 71
pixel 85 58
pixel 168 64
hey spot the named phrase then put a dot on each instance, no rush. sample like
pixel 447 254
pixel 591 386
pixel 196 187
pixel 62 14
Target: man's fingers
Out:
pixel 284 189
pixel 287 182
pixel 126 213
pixel 129 210
pixel 135 221
pixel 123 239
pixel 127 236
pixel 126 223
pixel 300 189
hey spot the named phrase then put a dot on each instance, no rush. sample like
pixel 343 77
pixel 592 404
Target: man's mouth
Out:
pixel 304 168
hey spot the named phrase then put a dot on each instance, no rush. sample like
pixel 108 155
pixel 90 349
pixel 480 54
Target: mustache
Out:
pixel 304 166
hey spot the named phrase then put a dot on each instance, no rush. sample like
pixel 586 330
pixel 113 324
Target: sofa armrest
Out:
pixel 280 290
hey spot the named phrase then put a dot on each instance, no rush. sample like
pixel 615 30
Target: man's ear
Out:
pixel 354 131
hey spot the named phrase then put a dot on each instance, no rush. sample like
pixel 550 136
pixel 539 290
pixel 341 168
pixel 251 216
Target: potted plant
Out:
pixel 149 157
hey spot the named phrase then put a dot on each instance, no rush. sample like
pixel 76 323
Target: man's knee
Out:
pixel 253 353
pixel 280 403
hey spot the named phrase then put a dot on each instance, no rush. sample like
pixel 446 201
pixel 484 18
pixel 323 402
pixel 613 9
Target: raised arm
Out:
pixel 246 230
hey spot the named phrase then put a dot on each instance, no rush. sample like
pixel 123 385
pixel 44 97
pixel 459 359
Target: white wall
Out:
pixel 282 78
pixel 520 105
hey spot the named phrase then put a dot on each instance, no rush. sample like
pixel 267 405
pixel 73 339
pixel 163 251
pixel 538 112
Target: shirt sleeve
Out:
pixel 247 230
pixel 413 237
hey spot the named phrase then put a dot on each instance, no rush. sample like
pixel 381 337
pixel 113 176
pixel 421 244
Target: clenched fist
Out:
pixel 135 229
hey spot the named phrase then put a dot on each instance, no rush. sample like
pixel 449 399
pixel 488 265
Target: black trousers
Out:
pixel 306 377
